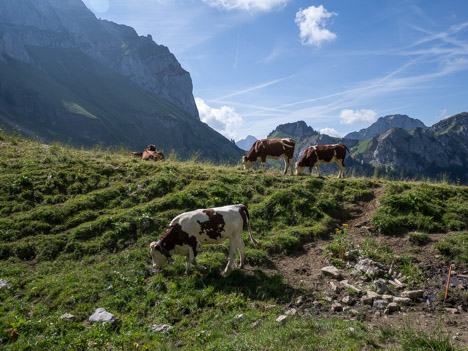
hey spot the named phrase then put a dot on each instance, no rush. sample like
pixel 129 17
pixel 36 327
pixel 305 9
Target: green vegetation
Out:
pixel 424 207
pixel 75 228
pixel 455 247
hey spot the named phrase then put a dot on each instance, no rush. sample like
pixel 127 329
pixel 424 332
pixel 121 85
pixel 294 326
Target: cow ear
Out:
pixel 154 244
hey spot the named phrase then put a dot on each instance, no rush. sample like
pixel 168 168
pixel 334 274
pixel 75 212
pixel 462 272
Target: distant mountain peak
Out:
pixel 385 123
pixel 294 129
pixel 246 144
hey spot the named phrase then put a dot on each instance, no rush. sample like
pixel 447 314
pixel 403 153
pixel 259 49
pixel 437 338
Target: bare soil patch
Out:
pixel 302 270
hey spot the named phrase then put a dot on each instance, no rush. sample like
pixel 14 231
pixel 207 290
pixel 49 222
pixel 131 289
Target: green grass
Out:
pixel 75 227
pixel 455 247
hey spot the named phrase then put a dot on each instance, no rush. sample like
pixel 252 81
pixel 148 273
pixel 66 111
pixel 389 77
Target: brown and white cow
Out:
pixel 190 230
pixel 149 153
pixel 313 156
pixel 271 148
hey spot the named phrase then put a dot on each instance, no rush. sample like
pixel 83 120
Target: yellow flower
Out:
pixel 345 225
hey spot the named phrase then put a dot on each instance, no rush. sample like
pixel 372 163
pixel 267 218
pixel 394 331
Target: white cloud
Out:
pixel 331 132
pixel 311 22
pixel 443 114
pixel 354 116
pixel 225 120
pixel 248 5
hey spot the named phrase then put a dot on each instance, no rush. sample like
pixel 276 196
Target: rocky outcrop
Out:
pixel 69 24
pixel 385 123
pixel 297 129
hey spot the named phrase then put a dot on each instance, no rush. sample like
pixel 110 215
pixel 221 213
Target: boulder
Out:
pixel 68 316
pixel 413 294
pixel 404 301
pixel 332 271
pixel 380 304
pixel 101 315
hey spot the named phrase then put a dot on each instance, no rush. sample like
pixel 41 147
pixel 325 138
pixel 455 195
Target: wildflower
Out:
pixel 345 224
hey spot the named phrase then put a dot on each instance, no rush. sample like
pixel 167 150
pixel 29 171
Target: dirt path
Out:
pixel 302 270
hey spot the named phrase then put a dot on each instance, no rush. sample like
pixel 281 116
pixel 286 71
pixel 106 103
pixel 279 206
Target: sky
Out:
pixel 337 65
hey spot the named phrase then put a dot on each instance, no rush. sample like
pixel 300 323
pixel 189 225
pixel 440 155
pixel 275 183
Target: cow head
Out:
pixel 246 163
pixel 299 169
pixel 158 256
pixel 151 147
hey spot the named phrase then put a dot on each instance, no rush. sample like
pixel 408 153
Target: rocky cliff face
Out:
pixel 385 123
pixel 246 144
pixel 69 24
pixel 440 148
pixel 297 129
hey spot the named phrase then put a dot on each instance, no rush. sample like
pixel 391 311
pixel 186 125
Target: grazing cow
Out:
pixel 313 156
pixel 190 230
pixel 149 153
pixel 271 148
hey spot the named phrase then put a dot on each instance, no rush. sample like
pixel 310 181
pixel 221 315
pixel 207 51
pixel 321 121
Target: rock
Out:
pixel 350 286
pixel 253 305
pixel 254 324
pixel 451 310
pixel 4 284
pixel 336 307
pixel 367 300
pixel 380 304
pixel 380 286
pixel 391 307
pixel 332 271
pixel 161 328
pixel 373 294
pixel 370 267
pixel 334 287
pixel 300 300
pixel 404 301
pixel 281 319
pixel 68 316
pixel 413 294
pixel 291 312
pixel 347 300
pixel 388 298
pixel 101 315
pixel 240 316
pixel 269 307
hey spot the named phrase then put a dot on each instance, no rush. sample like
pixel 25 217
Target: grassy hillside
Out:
pixel 75 228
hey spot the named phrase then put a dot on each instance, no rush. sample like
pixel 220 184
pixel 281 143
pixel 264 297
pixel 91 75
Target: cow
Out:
pixel 190 230
pixel 271 148
pixel 313 156
pixel 149 153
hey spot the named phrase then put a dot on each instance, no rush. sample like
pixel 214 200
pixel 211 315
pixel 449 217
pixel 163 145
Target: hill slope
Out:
pixel 70 77
pixel 75 228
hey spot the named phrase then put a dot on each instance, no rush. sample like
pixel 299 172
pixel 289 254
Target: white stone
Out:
pixel 161 328
pixel 101 315
pixel 332 271
pixel 281 319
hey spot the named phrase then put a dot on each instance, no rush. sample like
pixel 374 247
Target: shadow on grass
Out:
pixel 254 285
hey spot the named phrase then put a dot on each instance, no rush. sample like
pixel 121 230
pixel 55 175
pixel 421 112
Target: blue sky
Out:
pixel 337 65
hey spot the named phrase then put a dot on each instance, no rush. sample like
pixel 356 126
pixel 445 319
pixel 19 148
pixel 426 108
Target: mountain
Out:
pixel 440 151
pixel 246 144
pixel 67 76
pixel 385 123
pixel 442 148
pixel 296 130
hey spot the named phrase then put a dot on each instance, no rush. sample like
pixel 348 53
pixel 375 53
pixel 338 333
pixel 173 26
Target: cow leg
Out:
pixel 232 255
pixel 241 249
pixel 342 168
pixel 188 268
pixel 286 165
pixel 193 260
pixel 318 170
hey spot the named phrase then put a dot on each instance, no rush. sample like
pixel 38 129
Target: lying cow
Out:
pixel 150 153
pixel 313 156
pixel 190 230
pixel 271 148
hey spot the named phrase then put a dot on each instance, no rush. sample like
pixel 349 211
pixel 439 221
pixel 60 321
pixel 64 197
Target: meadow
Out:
pixel 75 228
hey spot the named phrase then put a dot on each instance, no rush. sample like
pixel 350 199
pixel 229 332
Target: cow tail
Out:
pixel 349 152
pixel 247 217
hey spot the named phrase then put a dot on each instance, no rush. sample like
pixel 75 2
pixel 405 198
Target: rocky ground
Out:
pixel 356 291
